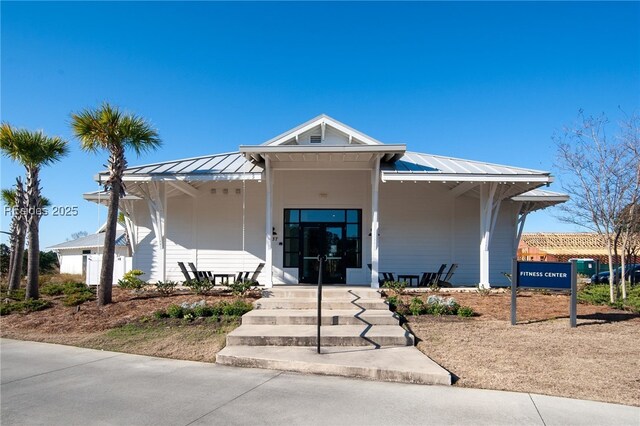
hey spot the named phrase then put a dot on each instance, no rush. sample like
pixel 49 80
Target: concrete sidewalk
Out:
pixel 54 384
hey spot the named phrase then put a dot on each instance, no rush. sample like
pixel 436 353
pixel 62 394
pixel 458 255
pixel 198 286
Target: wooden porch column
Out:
pixel 375 186
pixel 269 223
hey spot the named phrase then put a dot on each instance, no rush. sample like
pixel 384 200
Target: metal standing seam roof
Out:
pixel 90 241
pixel 539 194
pixel 227 163
pixel 419 163
pixel 411 163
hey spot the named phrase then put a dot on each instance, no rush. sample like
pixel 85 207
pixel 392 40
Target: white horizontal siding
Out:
pixel 415 227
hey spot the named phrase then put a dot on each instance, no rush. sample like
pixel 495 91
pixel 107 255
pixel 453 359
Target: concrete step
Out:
pixel 305 335
pixel 398 364
pixel 311 303
pixel 327 292
pixel 329 317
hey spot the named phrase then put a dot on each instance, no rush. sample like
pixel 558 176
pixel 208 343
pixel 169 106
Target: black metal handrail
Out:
pixel 321 260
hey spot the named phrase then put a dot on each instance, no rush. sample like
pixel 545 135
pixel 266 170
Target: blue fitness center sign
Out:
pixel 547 276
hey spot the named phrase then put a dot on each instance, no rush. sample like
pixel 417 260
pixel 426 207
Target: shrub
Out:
pixel 72 287
pixel 395 286
pixel 76 299
pixel 484 291
pixel 393 302
pixel 130 281
pixel 416 306
pixel 175 311
pixel 237 308
pixel 203 311
pixel 52 289
pixel 166 287
pixel 240 288
pixel 160 314
pixel 200 287
pixel 465 311
pixel 18 294
pixel 25 306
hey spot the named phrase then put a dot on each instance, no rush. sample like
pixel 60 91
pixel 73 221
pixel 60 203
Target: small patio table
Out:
pixel 410 279
pixel 224 278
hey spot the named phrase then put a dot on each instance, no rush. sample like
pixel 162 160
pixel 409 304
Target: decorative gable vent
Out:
pixel 315 139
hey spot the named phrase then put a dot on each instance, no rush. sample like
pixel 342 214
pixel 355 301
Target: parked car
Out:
pixel 632 274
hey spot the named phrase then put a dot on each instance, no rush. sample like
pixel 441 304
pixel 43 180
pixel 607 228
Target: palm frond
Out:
pixel 107 127
pixel 32 149
pixel 44 202
pixel 9 197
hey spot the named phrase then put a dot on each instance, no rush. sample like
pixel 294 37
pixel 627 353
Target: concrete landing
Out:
pixel 394 364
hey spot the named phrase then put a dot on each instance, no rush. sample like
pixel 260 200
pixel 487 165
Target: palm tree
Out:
pixel 33 150
pixel 14 198
pixel 107 128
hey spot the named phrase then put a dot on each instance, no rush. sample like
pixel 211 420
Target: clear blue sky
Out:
pixel 484 81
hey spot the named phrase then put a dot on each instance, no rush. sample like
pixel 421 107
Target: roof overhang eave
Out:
pixel 465 177
pixel 190 177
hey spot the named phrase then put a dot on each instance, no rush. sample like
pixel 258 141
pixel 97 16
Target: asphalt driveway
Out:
pixel 44 384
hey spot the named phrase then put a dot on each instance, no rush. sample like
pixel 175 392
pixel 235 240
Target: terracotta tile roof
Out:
pixel 571 243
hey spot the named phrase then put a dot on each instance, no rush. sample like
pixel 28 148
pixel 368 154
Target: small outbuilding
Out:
pixel 76 256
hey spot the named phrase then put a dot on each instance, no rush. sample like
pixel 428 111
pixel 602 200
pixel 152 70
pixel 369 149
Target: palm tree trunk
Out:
pixel 33 219
pixel 16 262
pixel 117 164
pixel 12 246
pixel 17 251
pixel 108 254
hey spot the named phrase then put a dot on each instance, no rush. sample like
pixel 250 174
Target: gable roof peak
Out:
pixel 322 121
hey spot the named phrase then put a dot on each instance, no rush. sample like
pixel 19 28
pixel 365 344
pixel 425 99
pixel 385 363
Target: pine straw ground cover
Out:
pixel 128 325
pixel 598 360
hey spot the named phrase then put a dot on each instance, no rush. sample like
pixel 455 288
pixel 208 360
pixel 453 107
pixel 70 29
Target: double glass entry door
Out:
pixel 322 239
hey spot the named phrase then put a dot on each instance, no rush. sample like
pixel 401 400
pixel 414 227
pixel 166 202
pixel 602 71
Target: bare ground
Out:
pixel 125 326
pixel 598 360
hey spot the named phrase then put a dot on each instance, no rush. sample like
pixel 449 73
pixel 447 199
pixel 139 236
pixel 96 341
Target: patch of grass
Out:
pixel 598 294
pixel 45 279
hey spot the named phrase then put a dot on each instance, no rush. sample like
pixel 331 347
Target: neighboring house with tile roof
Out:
pixel 562 246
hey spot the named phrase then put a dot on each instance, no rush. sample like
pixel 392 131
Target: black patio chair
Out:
pixel 435 279
pixel 388 276
pixel 426 279
pixel 184 272
pixel 256 273
pixel 445 281
pixel 200 275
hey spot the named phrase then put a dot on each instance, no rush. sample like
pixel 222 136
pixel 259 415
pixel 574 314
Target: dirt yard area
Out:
pixel 598 360
pixel 127 325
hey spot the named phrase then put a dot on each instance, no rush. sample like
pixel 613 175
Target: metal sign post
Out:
pixel 321 259
pixel 547 276
pixel 573 303
pixel 514 289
